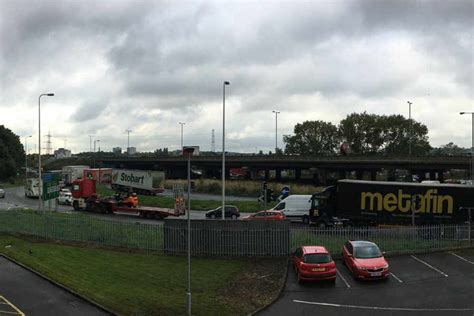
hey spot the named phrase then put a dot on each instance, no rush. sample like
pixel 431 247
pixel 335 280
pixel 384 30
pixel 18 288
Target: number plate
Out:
pixel 374 274
pixel 319 269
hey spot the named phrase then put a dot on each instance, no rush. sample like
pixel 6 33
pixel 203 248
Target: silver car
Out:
pixel 2 193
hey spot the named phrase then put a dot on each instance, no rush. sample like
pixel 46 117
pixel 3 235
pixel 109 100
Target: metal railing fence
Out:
pixel 215 239
pixel 83 228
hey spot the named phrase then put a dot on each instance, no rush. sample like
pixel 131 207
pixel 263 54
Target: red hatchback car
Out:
pixel 365 260
pixel 313 263
pixel 266 216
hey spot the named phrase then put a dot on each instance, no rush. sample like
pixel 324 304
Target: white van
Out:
pixel 295 207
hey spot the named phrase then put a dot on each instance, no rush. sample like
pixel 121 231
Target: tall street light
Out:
pixel 95 141
pixel 188 151
pixel 223 147
pixel 40 199
pixel 409 128
pixel 128 141
pixel 472 145
pixel 276 130
pixel 182 123
pixel 26 157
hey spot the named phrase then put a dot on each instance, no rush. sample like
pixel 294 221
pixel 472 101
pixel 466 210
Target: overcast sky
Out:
pixel 147 65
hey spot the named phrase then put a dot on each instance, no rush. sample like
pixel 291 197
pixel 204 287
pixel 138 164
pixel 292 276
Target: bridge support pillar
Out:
pixel 278 174
pixel 433 175
pixel 391 175
pixel 267 174
pixel 373 175
pixel 342 174
pixel 253 174
pixel 441 176
pixel 359 174
pixel 297 174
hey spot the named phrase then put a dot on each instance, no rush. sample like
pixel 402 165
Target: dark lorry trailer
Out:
pixel 358 202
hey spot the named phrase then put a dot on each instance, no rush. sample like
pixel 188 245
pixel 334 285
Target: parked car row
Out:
pixel 362 258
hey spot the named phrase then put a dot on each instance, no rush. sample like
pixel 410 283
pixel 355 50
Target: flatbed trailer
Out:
pixel 110 205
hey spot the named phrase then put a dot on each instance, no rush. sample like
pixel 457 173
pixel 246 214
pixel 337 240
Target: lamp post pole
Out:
pixel 223 148
pixel 276 130
pixel 26 157
pixel 409 129
pixel 182 123
pixel 472 145
pixel 96 140
pixel 188 151
pixel 40 199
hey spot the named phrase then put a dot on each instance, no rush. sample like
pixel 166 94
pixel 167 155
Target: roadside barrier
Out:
pixel 226 238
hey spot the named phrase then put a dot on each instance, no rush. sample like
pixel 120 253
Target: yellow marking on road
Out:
pixel 4 301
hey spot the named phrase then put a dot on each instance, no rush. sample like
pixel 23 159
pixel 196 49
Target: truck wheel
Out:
pixel 75 205
pixel 213 216
pixel 234 216
pixel 305 219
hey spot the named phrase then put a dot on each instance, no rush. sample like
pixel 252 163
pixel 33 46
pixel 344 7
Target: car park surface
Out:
pixel 33 295
pixel 419 284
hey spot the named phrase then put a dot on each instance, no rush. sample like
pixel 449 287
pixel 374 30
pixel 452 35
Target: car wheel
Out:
pixel 305 219
pixel 75 205
pixel 234 216
pixel 213 216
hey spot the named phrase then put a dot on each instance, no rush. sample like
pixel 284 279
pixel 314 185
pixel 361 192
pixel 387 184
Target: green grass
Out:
pixel 17 182
pixel 196 205
pixel 83 228
pixel 134 283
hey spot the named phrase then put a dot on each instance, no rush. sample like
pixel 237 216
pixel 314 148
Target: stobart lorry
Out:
pixel 358 202
pixel 141 181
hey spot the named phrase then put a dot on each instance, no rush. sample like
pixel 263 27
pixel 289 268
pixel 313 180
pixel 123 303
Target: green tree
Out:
pixel 12 155
pixel 363 132
pixel 449 149
pixel 396 136
pixel 312 138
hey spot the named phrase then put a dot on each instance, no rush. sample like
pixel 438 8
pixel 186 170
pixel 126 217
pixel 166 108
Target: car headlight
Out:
pixel 385 266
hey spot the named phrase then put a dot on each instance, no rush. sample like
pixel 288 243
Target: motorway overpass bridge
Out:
pixel 319 169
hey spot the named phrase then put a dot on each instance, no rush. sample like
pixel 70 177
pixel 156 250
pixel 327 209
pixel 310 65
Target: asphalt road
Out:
pixel 15 198
pixel 32 295
pixel 425 284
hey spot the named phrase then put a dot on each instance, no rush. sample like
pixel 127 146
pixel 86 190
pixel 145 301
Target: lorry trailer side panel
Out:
pixel 392 202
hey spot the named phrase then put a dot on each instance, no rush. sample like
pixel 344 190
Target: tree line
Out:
pixel 361 134
pixel 12 155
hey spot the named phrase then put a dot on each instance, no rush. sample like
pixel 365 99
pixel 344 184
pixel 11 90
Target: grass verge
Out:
pixel 150 283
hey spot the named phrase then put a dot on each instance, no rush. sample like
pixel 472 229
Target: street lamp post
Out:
pixel 409 129
pixel 223 147
pixel 188 151
pixel 276 130
pixel 96 140
pixel 26 157
pixel 40 199
pixel 182 123
pixel 472 145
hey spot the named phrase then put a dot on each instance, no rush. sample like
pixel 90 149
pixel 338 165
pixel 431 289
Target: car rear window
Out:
pixel 317 258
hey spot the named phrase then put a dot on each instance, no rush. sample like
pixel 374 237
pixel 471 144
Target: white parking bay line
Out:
pixel 395 277
pixel 462 258
pixel 428 265
pixel 343 279
pixel 386 308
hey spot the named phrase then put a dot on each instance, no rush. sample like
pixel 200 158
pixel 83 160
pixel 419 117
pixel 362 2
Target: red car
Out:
pixel 313 263
pixel 266 216
pixel 365 260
